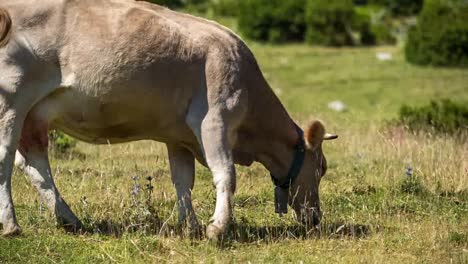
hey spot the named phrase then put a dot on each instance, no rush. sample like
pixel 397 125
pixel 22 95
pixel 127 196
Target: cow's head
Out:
pixel 304 191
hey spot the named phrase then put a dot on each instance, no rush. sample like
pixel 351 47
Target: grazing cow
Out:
pixel 120 70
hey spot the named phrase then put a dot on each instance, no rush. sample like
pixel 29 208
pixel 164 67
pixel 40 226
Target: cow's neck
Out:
pixel 275 133
pixel 277 153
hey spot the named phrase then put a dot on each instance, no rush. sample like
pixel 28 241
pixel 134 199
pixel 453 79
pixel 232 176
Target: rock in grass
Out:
pixel 337 106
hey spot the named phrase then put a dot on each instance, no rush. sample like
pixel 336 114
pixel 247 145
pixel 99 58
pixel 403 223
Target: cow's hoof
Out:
pixel 190 230
pixel 195 231
pixel 76 227
pixel 214 233
pixel 12 230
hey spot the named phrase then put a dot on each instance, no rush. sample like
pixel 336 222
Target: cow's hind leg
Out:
pixel 32 159
pixel 182 164
pixel 25 80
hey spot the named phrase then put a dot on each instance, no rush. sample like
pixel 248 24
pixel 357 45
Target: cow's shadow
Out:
pixel 248 233
pixel 239 232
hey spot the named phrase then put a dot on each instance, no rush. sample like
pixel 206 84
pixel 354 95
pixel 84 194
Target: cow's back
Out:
pixel 131 36
pixel 129 70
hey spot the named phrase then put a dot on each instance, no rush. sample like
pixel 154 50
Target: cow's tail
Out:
pixel 5 27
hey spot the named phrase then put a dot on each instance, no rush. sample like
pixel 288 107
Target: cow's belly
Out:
pixel 115 118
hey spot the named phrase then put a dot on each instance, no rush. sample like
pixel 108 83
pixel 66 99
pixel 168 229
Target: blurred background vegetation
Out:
pixel 435 31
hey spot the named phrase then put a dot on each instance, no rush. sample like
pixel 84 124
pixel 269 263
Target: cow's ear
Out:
pixel 314 134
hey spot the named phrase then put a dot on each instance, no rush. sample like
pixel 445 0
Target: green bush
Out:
pixel 168 3
pixel 225 7
pixel 373 29
pixel 396 7
pixel 329 22
pixel 382 34
pixel 367 37
pixel 197 6
pixel 404 7
pixel 192 5
pixel 444 116
pixel 362 23
pixel 61 142
pixel 441 35
pixel 272 20
pixel 360 2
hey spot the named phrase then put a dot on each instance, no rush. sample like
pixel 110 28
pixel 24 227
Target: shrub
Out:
pixel 360 2
pixel 168 3
pixel 225 7
pixel 444 116
pixel 61 142
pixel 362 23
pixel 367 37
pixel 373 28
pixel 272 20
pixel 329 22
pixel 193 5
pixel 198 6
pixel 396 7
pixel 382 34
pixel 441 35
pixel 404 7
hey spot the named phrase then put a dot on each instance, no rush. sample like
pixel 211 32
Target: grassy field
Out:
pixel 373 213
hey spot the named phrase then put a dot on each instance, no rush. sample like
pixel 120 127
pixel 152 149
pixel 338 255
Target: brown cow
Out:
pixel 119 71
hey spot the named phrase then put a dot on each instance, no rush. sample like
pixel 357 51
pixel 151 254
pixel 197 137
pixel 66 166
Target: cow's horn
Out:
pixel 329 136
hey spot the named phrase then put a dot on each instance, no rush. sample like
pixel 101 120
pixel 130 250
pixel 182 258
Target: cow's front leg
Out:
pixel 32 159
pixel 182 164
pixel 218 154
pixel 10 129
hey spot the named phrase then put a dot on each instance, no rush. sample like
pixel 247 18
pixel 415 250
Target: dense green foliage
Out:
pixel 225 7
pixel 362 23
pixel 372 31
pixel 328 22
pixel 443 116
pixel 193 5
pixel 404 7
pixel 61 142
pixel 382 34
pixel 272 20
pixel 168 3
pixel 441 36
pixel 396 7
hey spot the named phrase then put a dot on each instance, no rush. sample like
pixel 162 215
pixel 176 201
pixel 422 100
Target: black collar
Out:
pixel 296 165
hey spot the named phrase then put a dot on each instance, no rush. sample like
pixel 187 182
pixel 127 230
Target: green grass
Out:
pixel 371 214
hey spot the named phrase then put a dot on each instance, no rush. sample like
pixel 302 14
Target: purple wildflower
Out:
pixel 409 171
